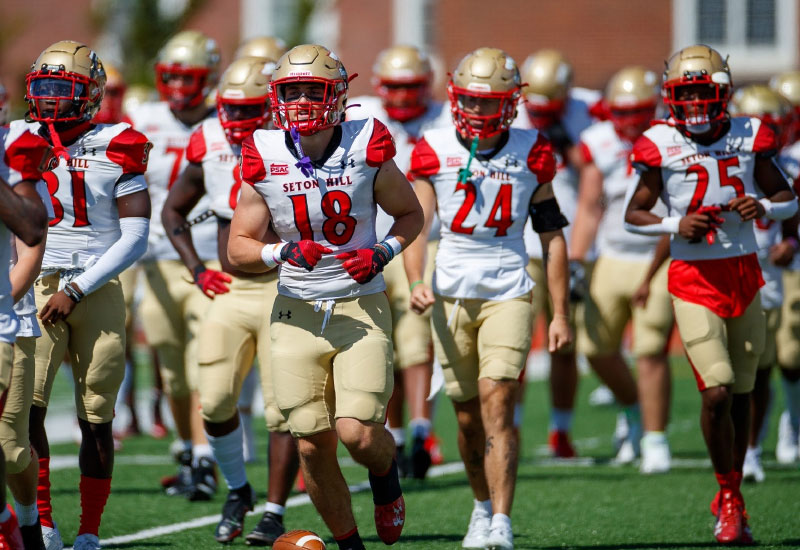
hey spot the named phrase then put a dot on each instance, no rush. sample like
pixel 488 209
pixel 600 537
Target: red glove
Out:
pixel 363 264
pixel 714 220
pixel 212 282
pixel 305 253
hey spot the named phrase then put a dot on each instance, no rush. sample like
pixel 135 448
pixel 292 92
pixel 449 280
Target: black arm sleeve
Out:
pixel 546 216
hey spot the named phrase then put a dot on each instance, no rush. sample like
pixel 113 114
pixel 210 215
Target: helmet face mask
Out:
pixel 630 101
pixel 484 91
pixel 186 70
pixel 181 87
pixel 402 77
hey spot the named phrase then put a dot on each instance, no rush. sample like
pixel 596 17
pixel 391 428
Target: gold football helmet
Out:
pixel 763 102
pixel 483 91
pixel 547 77
pixel 696 86
pixel 308 91
pixel 243 97
pixel 186 69
pixel 268 47
pixel 111 109
pixel 66 83
pixel 788 85
pixel 402 77
pixel 630 100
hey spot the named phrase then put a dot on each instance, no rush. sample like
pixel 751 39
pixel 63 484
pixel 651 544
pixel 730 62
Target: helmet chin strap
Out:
pixel 58 148
pixel 465 173
pixel 304 164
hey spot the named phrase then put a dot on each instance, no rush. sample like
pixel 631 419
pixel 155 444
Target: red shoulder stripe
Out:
pixel 645 152
pixel 196 149
pixel 586 153
pixel 424 161
pixel 131 150
pixel 381 145
pixel 765 141
pixel 541 160
pixel 29 155
pixel 252 166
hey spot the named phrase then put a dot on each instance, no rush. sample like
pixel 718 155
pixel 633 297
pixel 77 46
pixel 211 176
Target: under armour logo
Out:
pixel 347 162
pixel 87 151
pixel 288 314
pixel 512 162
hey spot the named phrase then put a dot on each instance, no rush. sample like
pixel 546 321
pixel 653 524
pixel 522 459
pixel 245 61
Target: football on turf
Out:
pixel 298 540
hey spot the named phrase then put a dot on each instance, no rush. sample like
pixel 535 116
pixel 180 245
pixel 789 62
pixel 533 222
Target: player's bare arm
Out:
pixel 589 212
pixel 554 250
pixel 415 256
pixel 29 264
pixel 22 211
pixel 397 198
pixel 248 233
pixel 660 256
pixel 782 253
pixel 780 201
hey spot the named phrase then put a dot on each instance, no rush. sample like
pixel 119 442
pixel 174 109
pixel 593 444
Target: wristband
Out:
pixel 793 242
pixel 271 254
pixel 779 210
pixel 73 294
pixel 197 271
pixel 393 243
pixel 414 284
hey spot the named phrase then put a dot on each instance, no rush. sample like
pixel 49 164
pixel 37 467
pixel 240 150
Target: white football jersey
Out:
pixel 106 162
pixel 406 135
pixel 790 161
pixel 170 137
pixel 565 185
pixel 696 175
pixel 482 251
pixel 24 158
pixel 768 234
pixel 335 207
pixel 611 155
pixel 222 177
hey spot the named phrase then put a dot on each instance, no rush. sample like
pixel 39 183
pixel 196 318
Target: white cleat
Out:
pixel 786 449
pixel 626 453
pixel 86 542
pixel 500 538
pixel 52 538
pixel 752 469
pixel 478 530
pixel 601 397
pixel 621 430
pixel 656 458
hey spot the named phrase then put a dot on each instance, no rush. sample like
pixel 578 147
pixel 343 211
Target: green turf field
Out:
pixel 580 504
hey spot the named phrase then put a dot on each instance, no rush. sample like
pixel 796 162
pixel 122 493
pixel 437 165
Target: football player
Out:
pixel 311 190
pixel 708 167
pixel 23 213
pixel 788 341
pixel 483 180
pixel 100 226
pixel 623 259
pixel 265 47
pixel 173 305
pixel 3 106
pixel 236 329
pixel 403 77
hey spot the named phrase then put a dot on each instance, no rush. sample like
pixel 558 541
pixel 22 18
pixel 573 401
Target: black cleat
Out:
pixel 182 484
pixel 403 463
pixel 204 481
pixel 32 536
pixel 420 458
pixel 239 502
pixel 267 531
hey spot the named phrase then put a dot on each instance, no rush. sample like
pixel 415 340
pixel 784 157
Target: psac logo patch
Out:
pixel 278 169
pixel 454 161
pixel 673 150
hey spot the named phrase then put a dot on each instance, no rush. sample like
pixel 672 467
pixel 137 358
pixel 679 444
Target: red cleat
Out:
pixel 10 536
pixel 730 518
pixel 389 520
pixel 560 445
pixel 300 483
pixel 434 448
pixel 747 534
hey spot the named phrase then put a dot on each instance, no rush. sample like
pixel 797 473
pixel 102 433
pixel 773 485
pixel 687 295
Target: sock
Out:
pixel 26 513
pixel 275 509
pixel 43 493
pixel 420 427
pixel 186 444
pixel 201 451
pixel 94 495
pixel 791 392
pixel 228 454
pixel 501 519
pixel 519 412
pixel 485 505
pixel 561 420
pixel 654 437
pixel 248 436
pixel 5 515
pixel 399 436
pixel 632 414
pixel 385 486
pixel 350 541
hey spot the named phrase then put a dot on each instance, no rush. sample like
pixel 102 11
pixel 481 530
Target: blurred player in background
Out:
pixel 3 105
pixel 481 294
pixel 173 304
pixel 403 77
pixel 89 243
pixel 708 168
pixel 623 258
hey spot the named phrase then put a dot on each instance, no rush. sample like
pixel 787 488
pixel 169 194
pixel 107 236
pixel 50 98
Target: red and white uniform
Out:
pixel 405 134
pixel 790 162
pixel 209 147
pixel 768 234
pixel 23 157
pixel 696 175
pixel 335 207
pixel 603 146
pixel 106 162
pixel 565 184
pixel 482 251
pixel 170 137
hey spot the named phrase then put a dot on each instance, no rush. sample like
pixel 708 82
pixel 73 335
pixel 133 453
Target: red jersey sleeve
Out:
pixel 765 142
pixel 381 145
pixel 541 160
pixel 586 153
pixel 424 161
pixel 131 150
pixel 253 170
pixel 645 153
pixel 29 155
pixel 196 149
